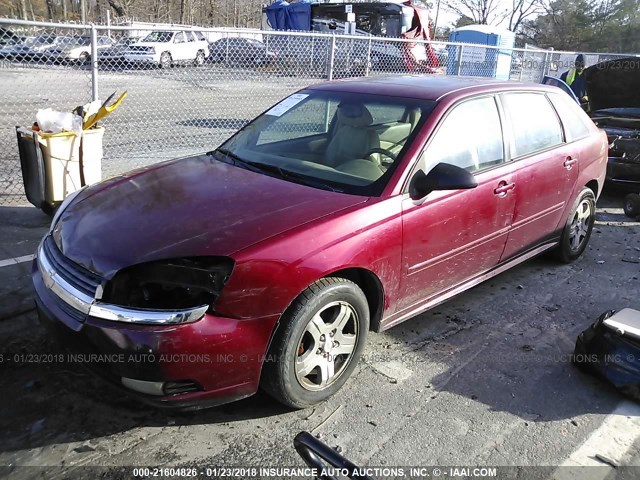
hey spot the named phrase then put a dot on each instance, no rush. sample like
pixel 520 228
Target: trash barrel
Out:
pixel 55 165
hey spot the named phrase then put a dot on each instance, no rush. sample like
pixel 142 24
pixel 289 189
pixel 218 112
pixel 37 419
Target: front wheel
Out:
pixel 577 230
pixel 317 343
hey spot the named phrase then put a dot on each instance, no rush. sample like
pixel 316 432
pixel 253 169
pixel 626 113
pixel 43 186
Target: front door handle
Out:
pixel 504 188
pixel 568 162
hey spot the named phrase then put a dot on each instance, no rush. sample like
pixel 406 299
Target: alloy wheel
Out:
pixel 579 229
pixel 327 345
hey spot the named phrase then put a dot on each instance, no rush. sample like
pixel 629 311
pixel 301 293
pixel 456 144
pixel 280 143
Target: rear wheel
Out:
pixel 317 343
pixel 632 205
pixel 84 58
pixel 577 230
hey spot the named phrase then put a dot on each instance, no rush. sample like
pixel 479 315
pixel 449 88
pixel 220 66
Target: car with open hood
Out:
pixel 613 88
pixel 349 206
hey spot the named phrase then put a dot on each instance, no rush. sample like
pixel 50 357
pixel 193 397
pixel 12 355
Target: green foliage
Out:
pixel 587 25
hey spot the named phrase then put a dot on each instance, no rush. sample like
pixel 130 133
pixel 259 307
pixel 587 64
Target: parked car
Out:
pixel 347 207
pixel 75 49
pixel 114 56
pixel 167 48
pixel 28 49
pixel 240 51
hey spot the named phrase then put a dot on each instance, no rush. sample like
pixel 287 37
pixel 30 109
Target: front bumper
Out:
pixel 219 359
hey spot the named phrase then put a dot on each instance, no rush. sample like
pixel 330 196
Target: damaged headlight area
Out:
pixel 170 291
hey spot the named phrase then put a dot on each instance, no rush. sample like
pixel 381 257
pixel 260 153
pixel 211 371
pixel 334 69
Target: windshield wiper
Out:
pixel 273 169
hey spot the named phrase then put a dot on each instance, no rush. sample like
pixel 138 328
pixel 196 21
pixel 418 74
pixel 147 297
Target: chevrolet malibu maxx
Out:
pixel 347 207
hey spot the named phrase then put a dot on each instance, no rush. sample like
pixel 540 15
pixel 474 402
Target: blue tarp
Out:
pixel 283 15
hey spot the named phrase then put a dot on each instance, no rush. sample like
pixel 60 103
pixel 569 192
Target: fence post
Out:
pixel 368 61
pixel 460 60
pixel 332 56
pixel 546 64
pixel 94 63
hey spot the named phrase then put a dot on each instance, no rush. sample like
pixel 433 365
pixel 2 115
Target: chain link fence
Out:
pixel 190 88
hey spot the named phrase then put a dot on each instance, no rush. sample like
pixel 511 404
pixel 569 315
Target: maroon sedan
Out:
pixel 347 207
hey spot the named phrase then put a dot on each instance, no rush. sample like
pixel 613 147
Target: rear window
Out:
pixel 534 123
pixel 574 120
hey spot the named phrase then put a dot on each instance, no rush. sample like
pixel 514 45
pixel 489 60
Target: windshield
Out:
pixel 345 142
pixel 162 37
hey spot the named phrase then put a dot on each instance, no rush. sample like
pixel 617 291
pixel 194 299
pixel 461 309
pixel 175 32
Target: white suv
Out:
pixel 165 48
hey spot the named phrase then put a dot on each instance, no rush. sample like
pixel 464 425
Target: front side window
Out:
pixel 470 137
pixel 339 141
pixel 179 38
pixel 534 123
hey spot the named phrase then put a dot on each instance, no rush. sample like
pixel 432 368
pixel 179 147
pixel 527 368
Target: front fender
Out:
pixel 269 276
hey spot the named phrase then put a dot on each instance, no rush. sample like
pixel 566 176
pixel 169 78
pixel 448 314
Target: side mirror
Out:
pixel 443 176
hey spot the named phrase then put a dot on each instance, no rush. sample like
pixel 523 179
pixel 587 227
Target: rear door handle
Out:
pixel 504 188
pixel 568 162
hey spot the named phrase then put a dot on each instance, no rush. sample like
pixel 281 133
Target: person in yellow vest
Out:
pixel 574 77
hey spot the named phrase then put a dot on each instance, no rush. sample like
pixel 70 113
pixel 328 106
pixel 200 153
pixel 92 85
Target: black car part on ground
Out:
pixel 610 349
pixel 315 453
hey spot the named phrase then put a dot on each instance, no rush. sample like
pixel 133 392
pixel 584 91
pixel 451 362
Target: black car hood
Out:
pixel 614 84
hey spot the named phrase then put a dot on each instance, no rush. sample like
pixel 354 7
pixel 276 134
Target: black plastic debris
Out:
pixel 610 349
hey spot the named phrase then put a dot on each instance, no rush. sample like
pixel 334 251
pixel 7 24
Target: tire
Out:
pixel 632 205
pixel 165 60
pixel 577 230
pixel 305 365
pixel 84 58
pixel 199 60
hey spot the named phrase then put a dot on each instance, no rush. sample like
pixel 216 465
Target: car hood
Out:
pixel 195 206
pixel 614 84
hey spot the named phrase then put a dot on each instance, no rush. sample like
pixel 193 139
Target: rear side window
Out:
pixel 534 123
pixel 470 137
pixel 573 118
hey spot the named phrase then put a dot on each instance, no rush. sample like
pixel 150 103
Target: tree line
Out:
pixel 217 13
pixel 575 25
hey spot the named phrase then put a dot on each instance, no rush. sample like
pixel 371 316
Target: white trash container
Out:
pixel 53 171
